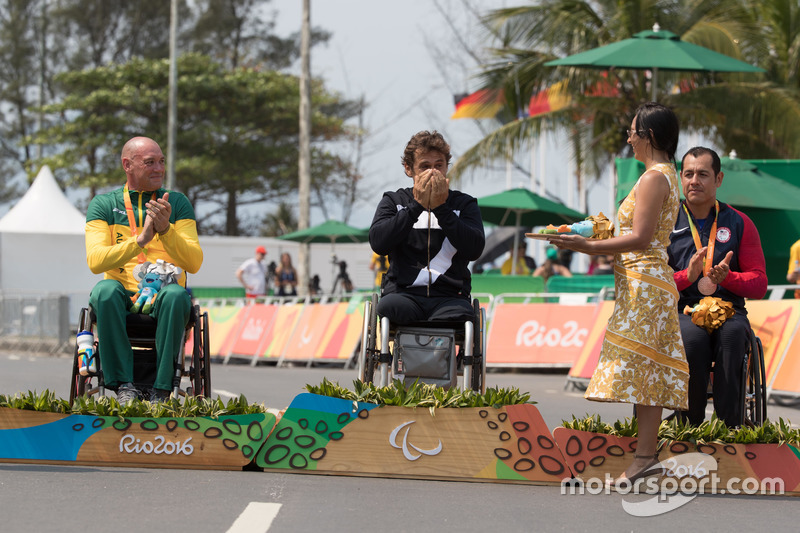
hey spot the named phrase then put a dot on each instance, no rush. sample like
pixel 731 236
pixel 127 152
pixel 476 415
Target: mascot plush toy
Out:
pixel 594 227
pixel 152 278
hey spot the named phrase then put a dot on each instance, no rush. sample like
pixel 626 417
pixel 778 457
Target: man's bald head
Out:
pixel 143 163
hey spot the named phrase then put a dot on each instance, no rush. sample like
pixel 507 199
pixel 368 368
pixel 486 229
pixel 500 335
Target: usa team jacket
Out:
pixel 735 231
pixel 400 230
pixel 112 250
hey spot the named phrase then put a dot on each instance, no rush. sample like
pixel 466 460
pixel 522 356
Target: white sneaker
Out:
pixel 126 393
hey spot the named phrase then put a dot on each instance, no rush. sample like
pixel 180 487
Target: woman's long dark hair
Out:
pixel 659 124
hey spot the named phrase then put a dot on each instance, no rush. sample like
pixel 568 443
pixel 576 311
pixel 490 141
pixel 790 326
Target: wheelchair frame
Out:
pixel 753 399
pixel 471 341
pixel 197 369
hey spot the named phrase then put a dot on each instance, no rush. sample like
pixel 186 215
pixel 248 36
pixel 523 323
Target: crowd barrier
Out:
pixel 287 331
pixel 538 330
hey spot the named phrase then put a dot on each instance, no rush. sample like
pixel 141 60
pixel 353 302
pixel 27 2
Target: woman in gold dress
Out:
pixel 642 359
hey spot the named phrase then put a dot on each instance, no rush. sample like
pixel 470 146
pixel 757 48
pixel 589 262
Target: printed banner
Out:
pixel 257 320
pixel 308 335
pixel 223 323
pixel 775 324
pixel 343 332
pixel 284 324
pixel 787 377
pixel 538 334
pixel 590 354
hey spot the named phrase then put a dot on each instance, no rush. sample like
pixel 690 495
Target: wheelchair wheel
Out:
pixel 206 357
pixel 201 369
pixel 369 356
pixel 753 388
pixel 79 385
pixel 762 391
pixel 478 359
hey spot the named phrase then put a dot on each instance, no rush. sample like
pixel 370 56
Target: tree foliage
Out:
pixel 80 77
pixel 238 128
pixel 758 115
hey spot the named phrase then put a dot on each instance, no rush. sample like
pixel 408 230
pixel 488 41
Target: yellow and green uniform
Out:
pixel 111 249
pixel 794 263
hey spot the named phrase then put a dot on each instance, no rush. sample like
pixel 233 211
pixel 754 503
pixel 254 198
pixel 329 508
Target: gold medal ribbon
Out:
pixel 712 238
pixel 132 219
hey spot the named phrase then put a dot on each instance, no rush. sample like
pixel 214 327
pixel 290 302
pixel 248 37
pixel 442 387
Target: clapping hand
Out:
pixel 157 219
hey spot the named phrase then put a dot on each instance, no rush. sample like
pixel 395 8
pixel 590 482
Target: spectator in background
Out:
pixel 314 288
pixel 380 265
pixel 286 276
pixel 552 266
pixel 793 276
pixel 525 265
pixel 253 274
pixel 603 265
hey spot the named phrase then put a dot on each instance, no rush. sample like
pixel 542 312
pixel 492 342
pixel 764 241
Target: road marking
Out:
pixel 224 393
pixel 257 517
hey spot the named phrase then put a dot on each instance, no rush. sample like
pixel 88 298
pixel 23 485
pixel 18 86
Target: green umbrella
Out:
pixel 329 231
pixel 772 203
pixel 655 50
pixel 523 208
pixel 743 185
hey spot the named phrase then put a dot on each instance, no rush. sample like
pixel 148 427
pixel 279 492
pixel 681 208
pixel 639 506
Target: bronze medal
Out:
pixel 706 286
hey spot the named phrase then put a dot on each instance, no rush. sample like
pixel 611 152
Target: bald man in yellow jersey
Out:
pixel 136 223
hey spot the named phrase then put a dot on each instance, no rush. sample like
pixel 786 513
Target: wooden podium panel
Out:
pixel 333 436
pixel 734 466
pixel 229 442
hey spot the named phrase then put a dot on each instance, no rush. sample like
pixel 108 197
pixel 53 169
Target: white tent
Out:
pixel 42 246
pixel 43 209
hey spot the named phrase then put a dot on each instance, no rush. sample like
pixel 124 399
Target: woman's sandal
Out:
pixel 646 471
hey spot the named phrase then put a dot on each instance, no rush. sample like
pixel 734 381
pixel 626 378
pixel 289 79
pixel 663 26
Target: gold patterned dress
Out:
pixel 642 360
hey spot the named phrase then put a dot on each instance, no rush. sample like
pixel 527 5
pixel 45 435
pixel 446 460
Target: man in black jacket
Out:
pixel 430 234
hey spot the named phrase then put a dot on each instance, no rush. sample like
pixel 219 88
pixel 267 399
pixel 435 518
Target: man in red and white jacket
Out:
pixel 729 266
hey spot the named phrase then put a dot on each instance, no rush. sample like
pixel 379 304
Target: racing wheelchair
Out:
pixel 141 331
pixel 381 351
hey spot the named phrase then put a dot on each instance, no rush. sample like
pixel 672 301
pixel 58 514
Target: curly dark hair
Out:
pixel 425 141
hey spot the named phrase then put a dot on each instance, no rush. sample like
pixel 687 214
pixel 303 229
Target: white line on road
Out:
pixel 224 393
pixel 257 517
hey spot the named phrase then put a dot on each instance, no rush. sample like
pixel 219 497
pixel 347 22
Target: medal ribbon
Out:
pixel 712 238
pixel 131 219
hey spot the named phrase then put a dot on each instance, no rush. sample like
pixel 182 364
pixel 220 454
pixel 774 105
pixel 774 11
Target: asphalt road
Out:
pixel 67 499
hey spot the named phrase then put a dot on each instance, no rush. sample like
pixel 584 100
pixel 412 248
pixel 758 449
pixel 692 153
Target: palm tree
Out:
pixel 550 29
pixel 761 119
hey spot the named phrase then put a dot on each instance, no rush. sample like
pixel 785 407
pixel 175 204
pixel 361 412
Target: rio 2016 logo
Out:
pixel 531 333
pixel 158 446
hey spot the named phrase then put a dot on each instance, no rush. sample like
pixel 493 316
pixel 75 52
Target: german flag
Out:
pixel 551 99
pixel 485 103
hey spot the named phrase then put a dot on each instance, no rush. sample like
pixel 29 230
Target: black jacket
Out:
pixel 400 230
